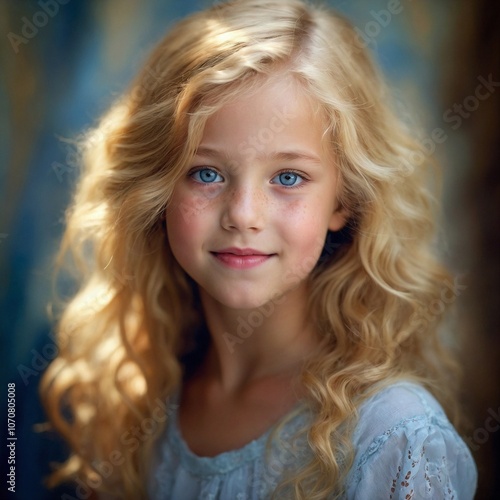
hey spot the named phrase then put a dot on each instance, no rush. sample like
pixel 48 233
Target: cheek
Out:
pixel 310 243
pixel 306 231
pixel 184 222
pixel 187 207
pixel 305 245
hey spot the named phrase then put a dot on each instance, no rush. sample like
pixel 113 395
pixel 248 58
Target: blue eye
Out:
pixel 288 178
pixel 206 176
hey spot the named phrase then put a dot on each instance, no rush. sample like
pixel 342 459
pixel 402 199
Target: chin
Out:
pixel 240 300
pixel 242 303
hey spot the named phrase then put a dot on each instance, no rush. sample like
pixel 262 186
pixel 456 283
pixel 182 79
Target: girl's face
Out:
pixel 249 218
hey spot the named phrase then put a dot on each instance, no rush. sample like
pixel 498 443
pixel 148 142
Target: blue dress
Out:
pixel 405 448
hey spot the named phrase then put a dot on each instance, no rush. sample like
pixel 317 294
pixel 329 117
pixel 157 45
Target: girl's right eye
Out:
pixel 206 175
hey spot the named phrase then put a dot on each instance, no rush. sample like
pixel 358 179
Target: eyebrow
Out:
pixel 274 156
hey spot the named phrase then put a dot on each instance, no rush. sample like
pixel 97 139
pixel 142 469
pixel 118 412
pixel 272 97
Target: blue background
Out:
pixel 69 71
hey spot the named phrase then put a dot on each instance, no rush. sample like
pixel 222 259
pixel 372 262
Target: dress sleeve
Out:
pixel 421 458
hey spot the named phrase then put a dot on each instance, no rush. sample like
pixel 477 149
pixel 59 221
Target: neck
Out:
pixel 274 339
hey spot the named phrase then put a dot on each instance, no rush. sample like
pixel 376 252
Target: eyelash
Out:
pixel 295 172
pixel 200 169
pixel 285 171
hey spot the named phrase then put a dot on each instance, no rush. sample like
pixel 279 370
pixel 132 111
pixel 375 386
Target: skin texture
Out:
pixel 274 189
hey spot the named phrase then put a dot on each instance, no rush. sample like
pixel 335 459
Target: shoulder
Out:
pixel 405 447
pixel 400 404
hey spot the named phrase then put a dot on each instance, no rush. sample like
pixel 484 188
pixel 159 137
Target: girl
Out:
pixel 250 323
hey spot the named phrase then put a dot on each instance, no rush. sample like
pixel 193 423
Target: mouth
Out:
pixel 241 251
pixel 241 258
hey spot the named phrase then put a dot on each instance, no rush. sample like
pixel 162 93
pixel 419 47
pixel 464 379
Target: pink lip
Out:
pixel 241 258
pixel 241 251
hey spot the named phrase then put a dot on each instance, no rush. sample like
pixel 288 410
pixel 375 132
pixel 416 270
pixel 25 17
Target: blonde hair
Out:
pixel 122 336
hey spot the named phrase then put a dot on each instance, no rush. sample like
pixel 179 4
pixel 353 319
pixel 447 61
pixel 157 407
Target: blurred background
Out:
pixel 64 61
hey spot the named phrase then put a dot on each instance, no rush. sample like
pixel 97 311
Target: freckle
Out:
pixel 297 208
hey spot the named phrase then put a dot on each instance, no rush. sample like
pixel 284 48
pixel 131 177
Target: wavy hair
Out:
pixel 136 313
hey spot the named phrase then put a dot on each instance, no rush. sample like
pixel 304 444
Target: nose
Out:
pixel 244 209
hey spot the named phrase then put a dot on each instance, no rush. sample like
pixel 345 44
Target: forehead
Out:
pixel 276 113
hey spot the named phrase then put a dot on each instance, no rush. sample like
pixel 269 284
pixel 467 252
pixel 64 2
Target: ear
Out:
pixel 338 218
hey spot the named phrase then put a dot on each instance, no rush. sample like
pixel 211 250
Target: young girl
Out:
pixel 254 232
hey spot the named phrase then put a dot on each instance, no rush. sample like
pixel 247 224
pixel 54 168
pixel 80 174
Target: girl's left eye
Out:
pixel 288 179
pixel 206 175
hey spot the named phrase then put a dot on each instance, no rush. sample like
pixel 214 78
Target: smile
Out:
pixel 241 258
